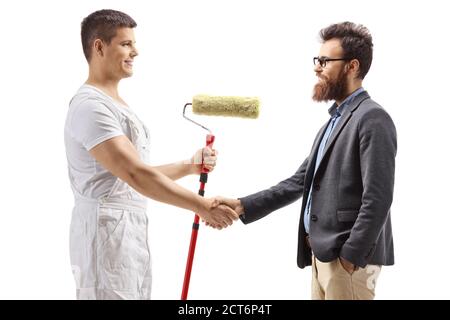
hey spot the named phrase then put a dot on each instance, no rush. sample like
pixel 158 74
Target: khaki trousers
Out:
pixel 330 281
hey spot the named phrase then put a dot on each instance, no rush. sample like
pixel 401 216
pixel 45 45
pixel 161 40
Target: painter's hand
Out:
pixel 206 157
pixel 218 215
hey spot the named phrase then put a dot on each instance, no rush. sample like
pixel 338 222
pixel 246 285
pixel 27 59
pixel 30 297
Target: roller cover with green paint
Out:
pixel 231 106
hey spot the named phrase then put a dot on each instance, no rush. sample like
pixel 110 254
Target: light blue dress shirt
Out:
pixel 335 113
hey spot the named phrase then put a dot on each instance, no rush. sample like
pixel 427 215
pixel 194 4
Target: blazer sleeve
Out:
pixel 260 204
pixel 378 148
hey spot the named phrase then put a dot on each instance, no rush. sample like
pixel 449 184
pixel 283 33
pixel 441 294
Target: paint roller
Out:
pixel 229 106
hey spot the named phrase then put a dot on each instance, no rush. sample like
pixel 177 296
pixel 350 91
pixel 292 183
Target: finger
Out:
pixel 231 213
pixel 215 203
pixel 207 152
pixel 210 160
pixel 227 220
pixel 209 165
pixel 214 152
pixel 221 223
pixel 225 201
pixel 227 215
pixel 214 220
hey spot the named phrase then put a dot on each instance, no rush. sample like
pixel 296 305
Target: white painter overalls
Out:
pixel 109 249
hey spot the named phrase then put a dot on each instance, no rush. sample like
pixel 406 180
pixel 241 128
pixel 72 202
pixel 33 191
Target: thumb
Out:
pixel 223 200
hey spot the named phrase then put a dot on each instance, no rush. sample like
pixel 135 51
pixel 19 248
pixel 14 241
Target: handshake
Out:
pixel 220 212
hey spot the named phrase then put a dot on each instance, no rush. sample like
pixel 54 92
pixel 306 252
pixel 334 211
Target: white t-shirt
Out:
pixel 93 118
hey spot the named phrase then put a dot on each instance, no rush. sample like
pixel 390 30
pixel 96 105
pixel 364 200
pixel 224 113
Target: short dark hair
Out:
pixel 102 24
pixel 356 41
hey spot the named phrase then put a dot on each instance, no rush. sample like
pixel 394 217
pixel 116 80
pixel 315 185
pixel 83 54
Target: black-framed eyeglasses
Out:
pixel 322 61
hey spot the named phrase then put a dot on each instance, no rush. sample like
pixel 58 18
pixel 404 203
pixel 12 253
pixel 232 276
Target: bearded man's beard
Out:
pixel 328 89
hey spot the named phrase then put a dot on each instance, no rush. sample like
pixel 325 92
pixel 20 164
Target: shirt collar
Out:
pixel 336 111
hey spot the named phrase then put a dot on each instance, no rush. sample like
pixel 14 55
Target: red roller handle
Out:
pixel 203 178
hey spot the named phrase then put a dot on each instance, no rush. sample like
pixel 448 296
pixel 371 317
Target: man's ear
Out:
pixel 99 47
pixel 353 66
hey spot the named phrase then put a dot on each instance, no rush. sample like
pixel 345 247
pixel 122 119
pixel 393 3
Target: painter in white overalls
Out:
pixel 109 250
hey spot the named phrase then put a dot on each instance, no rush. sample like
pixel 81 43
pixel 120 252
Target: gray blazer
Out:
pixel 352 190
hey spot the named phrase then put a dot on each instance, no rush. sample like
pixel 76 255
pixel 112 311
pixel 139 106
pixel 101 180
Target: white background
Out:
pixel 261 48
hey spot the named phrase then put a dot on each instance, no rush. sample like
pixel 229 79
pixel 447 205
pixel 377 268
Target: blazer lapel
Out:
pixel 343 121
